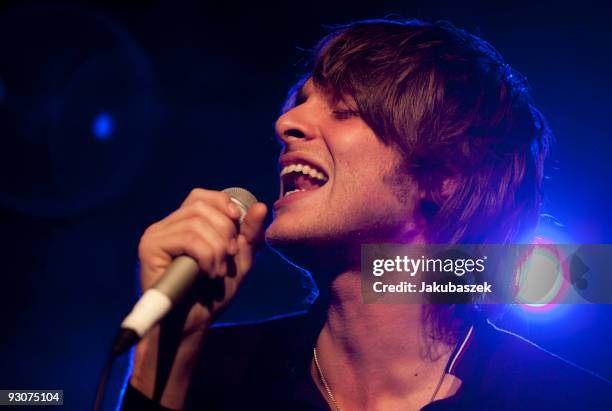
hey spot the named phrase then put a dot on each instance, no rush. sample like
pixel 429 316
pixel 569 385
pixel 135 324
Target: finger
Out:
pixel 218 199
pixel 207 213
pixel 243 260
pixel 197 228
pixel 157 253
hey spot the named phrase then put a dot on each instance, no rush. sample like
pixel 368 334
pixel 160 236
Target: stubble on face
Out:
pixel 335 243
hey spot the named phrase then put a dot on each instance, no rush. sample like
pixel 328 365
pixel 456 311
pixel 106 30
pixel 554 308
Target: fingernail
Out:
pixel 233 209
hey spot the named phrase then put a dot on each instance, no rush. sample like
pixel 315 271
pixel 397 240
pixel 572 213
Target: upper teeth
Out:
pixel 304 169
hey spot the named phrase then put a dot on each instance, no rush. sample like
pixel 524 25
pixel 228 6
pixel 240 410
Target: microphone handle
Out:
pixel 157 301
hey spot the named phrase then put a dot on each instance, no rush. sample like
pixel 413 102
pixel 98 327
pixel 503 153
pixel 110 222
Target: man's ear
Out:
pixel 440 190
pixel 434 194
pixel 449 186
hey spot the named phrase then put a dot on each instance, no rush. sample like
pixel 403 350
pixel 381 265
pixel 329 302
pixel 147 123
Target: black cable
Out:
pixel 123 342
pixel 102 384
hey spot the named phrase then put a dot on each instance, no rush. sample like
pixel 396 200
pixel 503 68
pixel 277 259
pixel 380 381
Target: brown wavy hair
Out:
pixel 463 120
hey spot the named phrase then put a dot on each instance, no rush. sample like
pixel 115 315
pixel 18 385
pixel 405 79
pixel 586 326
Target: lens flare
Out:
pixel 541 278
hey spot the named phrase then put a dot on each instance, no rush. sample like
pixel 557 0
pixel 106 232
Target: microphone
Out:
pixel 170 289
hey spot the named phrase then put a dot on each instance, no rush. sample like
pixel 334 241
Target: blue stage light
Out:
pixel 541 278
pixel 544 266
pixel 103 126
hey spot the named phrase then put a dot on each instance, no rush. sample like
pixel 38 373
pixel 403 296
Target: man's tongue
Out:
pixel 305 183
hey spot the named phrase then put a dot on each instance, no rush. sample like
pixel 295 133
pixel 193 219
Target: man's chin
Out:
pixel 300 233
pixel 279 234
pixel 311 253
pixel 290 247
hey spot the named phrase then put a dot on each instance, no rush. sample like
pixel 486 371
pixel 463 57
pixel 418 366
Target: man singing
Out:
pixel 403 132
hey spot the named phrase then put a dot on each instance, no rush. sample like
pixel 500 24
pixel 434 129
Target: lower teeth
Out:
pixel 293 191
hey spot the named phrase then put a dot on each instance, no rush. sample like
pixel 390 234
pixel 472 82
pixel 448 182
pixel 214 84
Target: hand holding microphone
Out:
pixel 213 234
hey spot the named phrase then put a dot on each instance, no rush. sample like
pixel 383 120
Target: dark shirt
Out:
pixel 267 366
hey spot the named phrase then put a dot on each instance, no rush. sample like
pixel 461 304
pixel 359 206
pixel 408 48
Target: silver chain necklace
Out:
pixel 330 395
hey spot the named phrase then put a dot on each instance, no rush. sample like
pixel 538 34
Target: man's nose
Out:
pixel 295 125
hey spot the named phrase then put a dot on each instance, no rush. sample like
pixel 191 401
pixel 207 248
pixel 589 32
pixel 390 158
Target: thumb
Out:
pixel 251 234
pixel 252 226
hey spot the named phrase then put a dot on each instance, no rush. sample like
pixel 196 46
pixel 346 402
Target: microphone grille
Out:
pixel 241 195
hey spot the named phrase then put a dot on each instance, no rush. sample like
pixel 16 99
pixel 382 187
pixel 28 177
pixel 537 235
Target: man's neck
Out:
pixel 374 354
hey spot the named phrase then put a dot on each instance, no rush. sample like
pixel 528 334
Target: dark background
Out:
pixel 110 113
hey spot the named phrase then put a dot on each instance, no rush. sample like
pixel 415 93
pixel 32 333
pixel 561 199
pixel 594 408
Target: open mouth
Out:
pixel 298 177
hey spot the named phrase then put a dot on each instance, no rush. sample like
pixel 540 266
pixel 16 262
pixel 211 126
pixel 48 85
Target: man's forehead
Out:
pixel 309 87
pixel 305 89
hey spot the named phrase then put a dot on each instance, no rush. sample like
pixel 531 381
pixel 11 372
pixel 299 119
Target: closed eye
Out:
pixel 345 114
